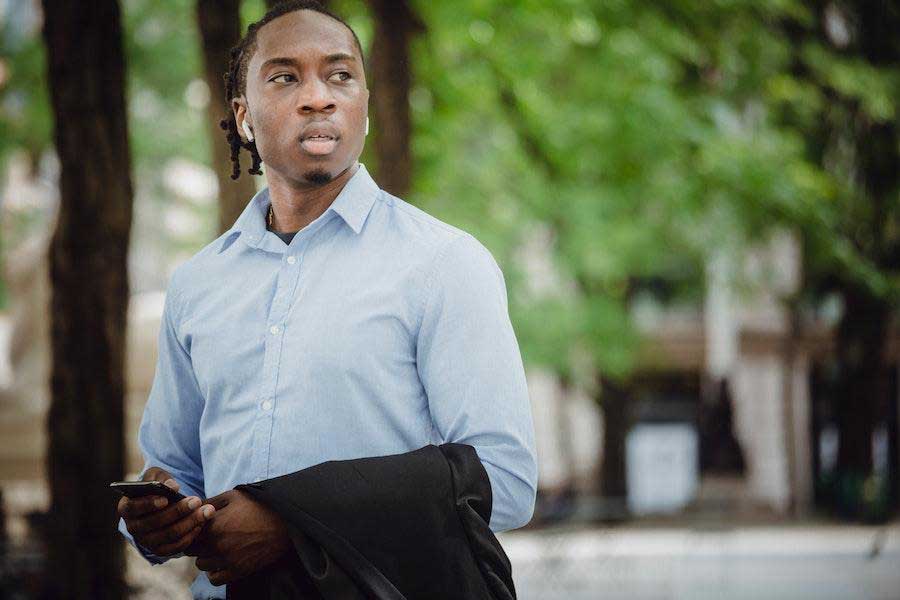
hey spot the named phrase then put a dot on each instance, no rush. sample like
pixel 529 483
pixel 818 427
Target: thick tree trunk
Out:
pixel 862 337
pixel 613 483
pixel 874 164
pixel 863 332
pixel 395 25
pixel 89 299
pixel 219 22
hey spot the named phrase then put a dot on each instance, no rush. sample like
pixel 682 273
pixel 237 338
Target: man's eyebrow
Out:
pixel 339 56
pixel 278 60
pixel 283 60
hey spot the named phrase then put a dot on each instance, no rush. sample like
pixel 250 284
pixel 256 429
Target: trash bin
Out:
pixel 661 467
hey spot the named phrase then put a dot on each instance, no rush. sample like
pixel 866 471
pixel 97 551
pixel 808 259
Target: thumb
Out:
pixel 158 474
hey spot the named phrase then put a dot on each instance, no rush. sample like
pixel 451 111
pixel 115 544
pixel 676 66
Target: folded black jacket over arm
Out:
pixel 404 526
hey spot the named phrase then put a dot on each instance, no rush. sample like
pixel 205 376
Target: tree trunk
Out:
pixel 862 337
pixel 219 22
pixel 89 298
pixel 863 332
pixel 395 24
pixel 613 484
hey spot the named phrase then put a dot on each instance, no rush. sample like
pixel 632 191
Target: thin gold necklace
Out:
pixel 270 216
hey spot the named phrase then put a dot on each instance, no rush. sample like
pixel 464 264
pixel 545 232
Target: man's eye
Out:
pixel 277 77
pixel 342 75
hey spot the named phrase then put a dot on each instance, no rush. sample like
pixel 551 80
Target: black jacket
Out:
pixel 405 526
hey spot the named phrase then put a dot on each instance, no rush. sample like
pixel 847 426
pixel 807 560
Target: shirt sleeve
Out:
pixel 169 435
pixel 470 366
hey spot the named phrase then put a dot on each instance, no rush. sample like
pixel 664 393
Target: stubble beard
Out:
pixel 318 176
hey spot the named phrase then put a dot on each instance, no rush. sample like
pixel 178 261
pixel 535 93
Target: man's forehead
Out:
pixel 304 35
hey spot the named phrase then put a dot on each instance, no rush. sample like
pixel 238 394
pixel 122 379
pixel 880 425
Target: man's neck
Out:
pixel 294 207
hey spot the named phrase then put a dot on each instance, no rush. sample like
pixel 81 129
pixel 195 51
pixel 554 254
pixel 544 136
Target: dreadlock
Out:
pixel 236 77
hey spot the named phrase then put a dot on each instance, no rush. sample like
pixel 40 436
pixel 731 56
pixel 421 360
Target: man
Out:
pixel 333 321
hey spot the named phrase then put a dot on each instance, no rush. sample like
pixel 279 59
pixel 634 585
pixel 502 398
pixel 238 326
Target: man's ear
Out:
pixel 239 107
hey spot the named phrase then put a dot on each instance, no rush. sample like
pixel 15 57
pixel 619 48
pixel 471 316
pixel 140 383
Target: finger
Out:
pixel 202 545
pixel 158 474
pixel 155 474
pixel 199 546
pixel 218 578
pixel 211 563
pixel 164 518
pixel 121 506
pixel 181 545
pixel 222 500
pixel 173 532
pixel 138 507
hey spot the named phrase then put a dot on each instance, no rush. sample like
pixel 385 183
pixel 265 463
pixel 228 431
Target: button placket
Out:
pixel 286 286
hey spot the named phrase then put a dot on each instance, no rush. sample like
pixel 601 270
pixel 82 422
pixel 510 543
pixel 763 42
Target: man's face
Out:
pixel 306 97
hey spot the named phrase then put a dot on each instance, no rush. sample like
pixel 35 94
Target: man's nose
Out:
pixel 316 97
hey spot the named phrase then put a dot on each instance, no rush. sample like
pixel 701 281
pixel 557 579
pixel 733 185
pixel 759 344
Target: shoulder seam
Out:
pixel 434 220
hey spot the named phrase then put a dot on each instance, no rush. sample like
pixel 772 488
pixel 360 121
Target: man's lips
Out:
pixel 319 145
pixel 319 138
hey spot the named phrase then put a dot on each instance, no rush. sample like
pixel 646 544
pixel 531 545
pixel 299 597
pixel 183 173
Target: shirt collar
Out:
pixel 353 204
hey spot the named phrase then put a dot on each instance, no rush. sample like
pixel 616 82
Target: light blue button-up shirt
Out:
pixel 378 330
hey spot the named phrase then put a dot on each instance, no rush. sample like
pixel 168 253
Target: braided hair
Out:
pixel 236 77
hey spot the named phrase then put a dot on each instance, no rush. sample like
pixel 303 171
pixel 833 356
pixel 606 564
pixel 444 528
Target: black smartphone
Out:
pixel 139 489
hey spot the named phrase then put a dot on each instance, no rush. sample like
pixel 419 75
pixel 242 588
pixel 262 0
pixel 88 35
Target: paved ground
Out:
pixel 637 561
pixel 821 562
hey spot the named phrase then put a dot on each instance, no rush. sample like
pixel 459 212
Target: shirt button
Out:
pixel 274 329
pixel 291 260
pixel 267 405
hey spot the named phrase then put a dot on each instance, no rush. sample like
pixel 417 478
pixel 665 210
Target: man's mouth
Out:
pixel 319 143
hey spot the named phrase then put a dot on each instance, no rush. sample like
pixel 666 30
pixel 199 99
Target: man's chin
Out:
pixel 318 176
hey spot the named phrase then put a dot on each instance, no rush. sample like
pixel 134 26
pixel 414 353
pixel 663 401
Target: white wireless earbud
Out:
pixel 247 131
pixel 367 125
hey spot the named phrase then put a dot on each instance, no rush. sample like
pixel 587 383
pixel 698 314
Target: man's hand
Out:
pixel 244 537
pixel 158 527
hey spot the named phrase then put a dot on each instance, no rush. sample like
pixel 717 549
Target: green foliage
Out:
pixel 25 122
pixel 835 96
pixel 875 88
pixel 641 135
pixel 164 70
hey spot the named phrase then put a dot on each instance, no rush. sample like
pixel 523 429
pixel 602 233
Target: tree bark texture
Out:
pixel 395 25
pixel 863 389
pixel 863 331
pixel 614 398
pixel 219 23
pixel 89 298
